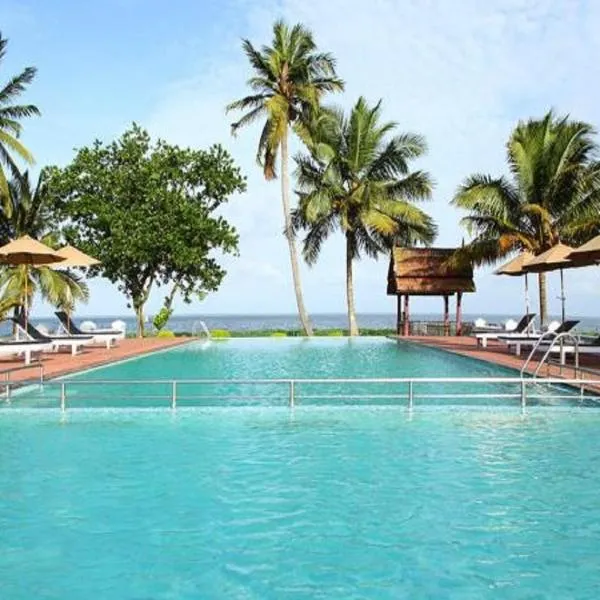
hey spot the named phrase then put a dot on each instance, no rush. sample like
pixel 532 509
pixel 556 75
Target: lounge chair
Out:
pixel 520 330
pixel 528 341
pixel 25 347
pixel 56 342
pixel 100 336
pixel 567 346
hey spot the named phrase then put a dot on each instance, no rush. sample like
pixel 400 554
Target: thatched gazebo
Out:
pixel 427 272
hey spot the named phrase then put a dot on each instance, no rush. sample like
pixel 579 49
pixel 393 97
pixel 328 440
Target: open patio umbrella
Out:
pixel 74 257
pixel 551 260
pixel 30 253
pixel 514 268
pixel 588 254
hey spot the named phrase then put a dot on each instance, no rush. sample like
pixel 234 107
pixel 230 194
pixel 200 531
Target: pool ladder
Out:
pixel 556 338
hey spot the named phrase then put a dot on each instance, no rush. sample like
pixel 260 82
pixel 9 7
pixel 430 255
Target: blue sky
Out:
pixel 461 73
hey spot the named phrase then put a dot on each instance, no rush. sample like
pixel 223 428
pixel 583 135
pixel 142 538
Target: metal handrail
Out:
pixel 7 372
pixel 409 392
pixel 560 337
pixel 544 336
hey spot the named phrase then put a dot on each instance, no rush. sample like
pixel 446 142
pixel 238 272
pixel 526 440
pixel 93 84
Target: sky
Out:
pixel 460 73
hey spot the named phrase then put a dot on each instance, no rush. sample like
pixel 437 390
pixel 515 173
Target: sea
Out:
pixel 241 322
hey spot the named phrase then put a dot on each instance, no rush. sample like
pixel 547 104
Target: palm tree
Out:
pixel 10 115
pixel 27 211
pixel 357 180
pixel 551 197
pixel 290 78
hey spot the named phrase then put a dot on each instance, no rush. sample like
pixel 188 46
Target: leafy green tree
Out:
pixel 551 197
pixel 149 213
pixel 10 117
pixel 357 180
pixel 27 211
pixel 290 78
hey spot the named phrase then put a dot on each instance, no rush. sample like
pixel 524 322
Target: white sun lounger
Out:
pixel 520 330
pixel 56 342
pixel 529 341
pixel 100 336
pixel 23 347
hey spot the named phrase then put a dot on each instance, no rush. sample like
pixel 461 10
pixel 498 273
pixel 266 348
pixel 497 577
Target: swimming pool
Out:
pixel 330 500
pixel 236 365
pixel 322 502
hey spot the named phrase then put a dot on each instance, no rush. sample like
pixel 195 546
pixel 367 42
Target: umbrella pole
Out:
pixel 562 295
pixel 526 296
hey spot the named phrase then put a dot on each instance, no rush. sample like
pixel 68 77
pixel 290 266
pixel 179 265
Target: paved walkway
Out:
pixel 62 363
pixel 498 354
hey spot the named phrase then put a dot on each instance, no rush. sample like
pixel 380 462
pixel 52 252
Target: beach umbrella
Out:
pixel 30 253
pixel 588 254
pixel 514 268
pixel 553 259
pixel 74 257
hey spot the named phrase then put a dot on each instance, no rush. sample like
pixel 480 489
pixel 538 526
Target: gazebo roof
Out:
pixel 427 272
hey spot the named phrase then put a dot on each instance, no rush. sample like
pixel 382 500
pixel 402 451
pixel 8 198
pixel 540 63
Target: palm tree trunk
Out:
pixel 352 325
pixel 285 197
pixel 543 298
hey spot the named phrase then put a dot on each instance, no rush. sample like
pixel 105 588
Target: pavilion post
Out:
pixel 406 321
pixel 459 313
pixel 399 315
pixel 446 315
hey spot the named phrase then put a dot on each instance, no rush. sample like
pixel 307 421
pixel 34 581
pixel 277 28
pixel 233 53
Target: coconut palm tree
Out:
pixel 357 180
pixel 290 78
pixel 10 117
pixel 27 211
pixel 551 196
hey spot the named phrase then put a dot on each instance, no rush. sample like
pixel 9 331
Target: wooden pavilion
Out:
pixel 427 272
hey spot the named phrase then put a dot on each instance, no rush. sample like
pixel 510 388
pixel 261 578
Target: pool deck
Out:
pixel 497 353
pixel 56 364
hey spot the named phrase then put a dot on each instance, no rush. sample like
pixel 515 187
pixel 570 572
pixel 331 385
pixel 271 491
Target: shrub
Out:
pixel 220 333
pixel 335 333
pixel 279 334
pixel 165 333
pixel 161 318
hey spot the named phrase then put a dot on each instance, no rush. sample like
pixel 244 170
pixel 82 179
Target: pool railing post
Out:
pixel 174 395
pixel 523 393
pixel 63 397
pixel 41 373
pixel 7 385
pixel 292 399
pixel 410 394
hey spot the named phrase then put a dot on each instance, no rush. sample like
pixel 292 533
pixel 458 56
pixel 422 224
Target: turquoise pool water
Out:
pixel 228 498
pixel 320 502
pixel 252 359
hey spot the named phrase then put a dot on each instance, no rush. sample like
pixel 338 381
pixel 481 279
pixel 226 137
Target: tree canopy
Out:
pixel 357 179
pixel 289 80
pixel 149 212
pixel 10 120
pixel 552 195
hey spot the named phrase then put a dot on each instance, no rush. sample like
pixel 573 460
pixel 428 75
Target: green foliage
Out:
pixel 335 333
pixel 279 334
pixel 165 333
pixel 220 333
pixel 161 318
pixel 27 212
pixel 357 180
pixel 149 213
pixel 551 197
pixel 10 117
pixel 290 78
